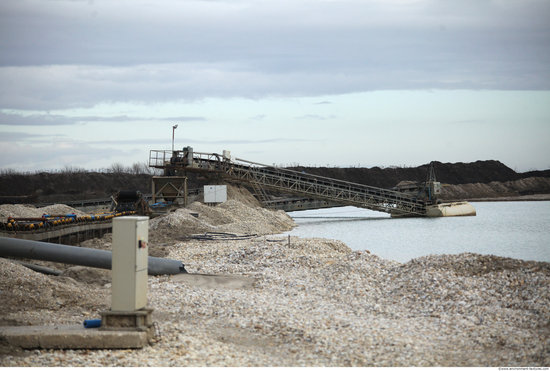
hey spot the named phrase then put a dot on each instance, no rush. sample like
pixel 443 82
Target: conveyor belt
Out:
pixel 52 226
pixel 265 177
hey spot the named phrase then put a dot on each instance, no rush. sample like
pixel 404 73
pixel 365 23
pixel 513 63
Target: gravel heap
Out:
pixel 31 298
pixel 315 303
pixel 232 216
pixel 30 211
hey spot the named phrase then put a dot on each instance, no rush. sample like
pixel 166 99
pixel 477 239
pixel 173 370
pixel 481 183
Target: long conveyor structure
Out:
pixel 265 177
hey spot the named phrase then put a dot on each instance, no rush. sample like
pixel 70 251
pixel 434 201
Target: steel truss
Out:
pixel 264 177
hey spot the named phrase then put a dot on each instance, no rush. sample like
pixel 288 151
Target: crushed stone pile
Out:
pixel 231 216
pixel 31 298
pixel 315 303
pixel 30 211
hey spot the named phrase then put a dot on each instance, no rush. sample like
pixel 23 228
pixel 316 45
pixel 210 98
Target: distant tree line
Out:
pixel 116 168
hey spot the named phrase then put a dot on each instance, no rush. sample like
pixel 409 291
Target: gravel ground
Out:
pixel 315 303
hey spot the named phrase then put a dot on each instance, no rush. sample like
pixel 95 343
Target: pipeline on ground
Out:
pixel 74 255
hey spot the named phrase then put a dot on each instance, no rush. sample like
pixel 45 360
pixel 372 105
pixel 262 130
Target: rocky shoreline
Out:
pixel 315 303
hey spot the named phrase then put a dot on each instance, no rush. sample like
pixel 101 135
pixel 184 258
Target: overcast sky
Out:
pixel 338 83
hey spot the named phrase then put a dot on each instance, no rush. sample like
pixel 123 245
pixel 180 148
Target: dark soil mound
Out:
pixel 48 187
pixel 57 187
pixel 459 173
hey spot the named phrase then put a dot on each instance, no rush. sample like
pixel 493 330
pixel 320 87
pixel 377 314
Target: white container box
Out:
pixel 129 264
pixel 215 194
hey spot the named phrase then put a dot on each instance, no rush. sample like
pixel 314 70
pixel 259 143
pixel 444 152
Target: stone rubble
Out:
pixel 30 211
pixel 231 216
pixel 315 303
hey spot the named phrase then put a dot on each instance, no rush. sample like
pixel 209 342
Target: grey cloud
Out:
pixel 21 157
pixel 125 118
pixel 181 118
pixel 57 54
pixel 77 86
pixel 285 36
pixel 191 141
pixel 10 136
pixel 140 142
pixel 247 141
pixel 34 120
pixel 48 119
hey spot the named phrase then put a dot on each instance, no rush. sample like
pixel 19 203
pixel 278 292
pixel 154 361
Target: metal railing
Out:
pixel 328 189
pixel 265 177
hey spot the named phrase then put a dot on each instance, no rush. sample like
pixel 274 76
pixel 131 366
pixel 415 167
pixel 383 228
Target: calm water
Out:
pixel 518 230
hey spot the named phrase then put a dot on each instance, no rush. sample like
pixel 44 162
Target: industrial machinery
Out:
pixel 72 227
pixel 428 191
pixel 419 200
pixel 129 201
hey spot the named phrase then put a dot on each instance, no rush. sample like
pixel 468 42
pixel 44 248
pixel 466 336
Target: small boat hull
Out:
pixel 462 208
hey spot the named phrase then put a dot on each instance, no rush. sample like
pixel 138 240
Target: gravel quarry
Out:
pixel 314 302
